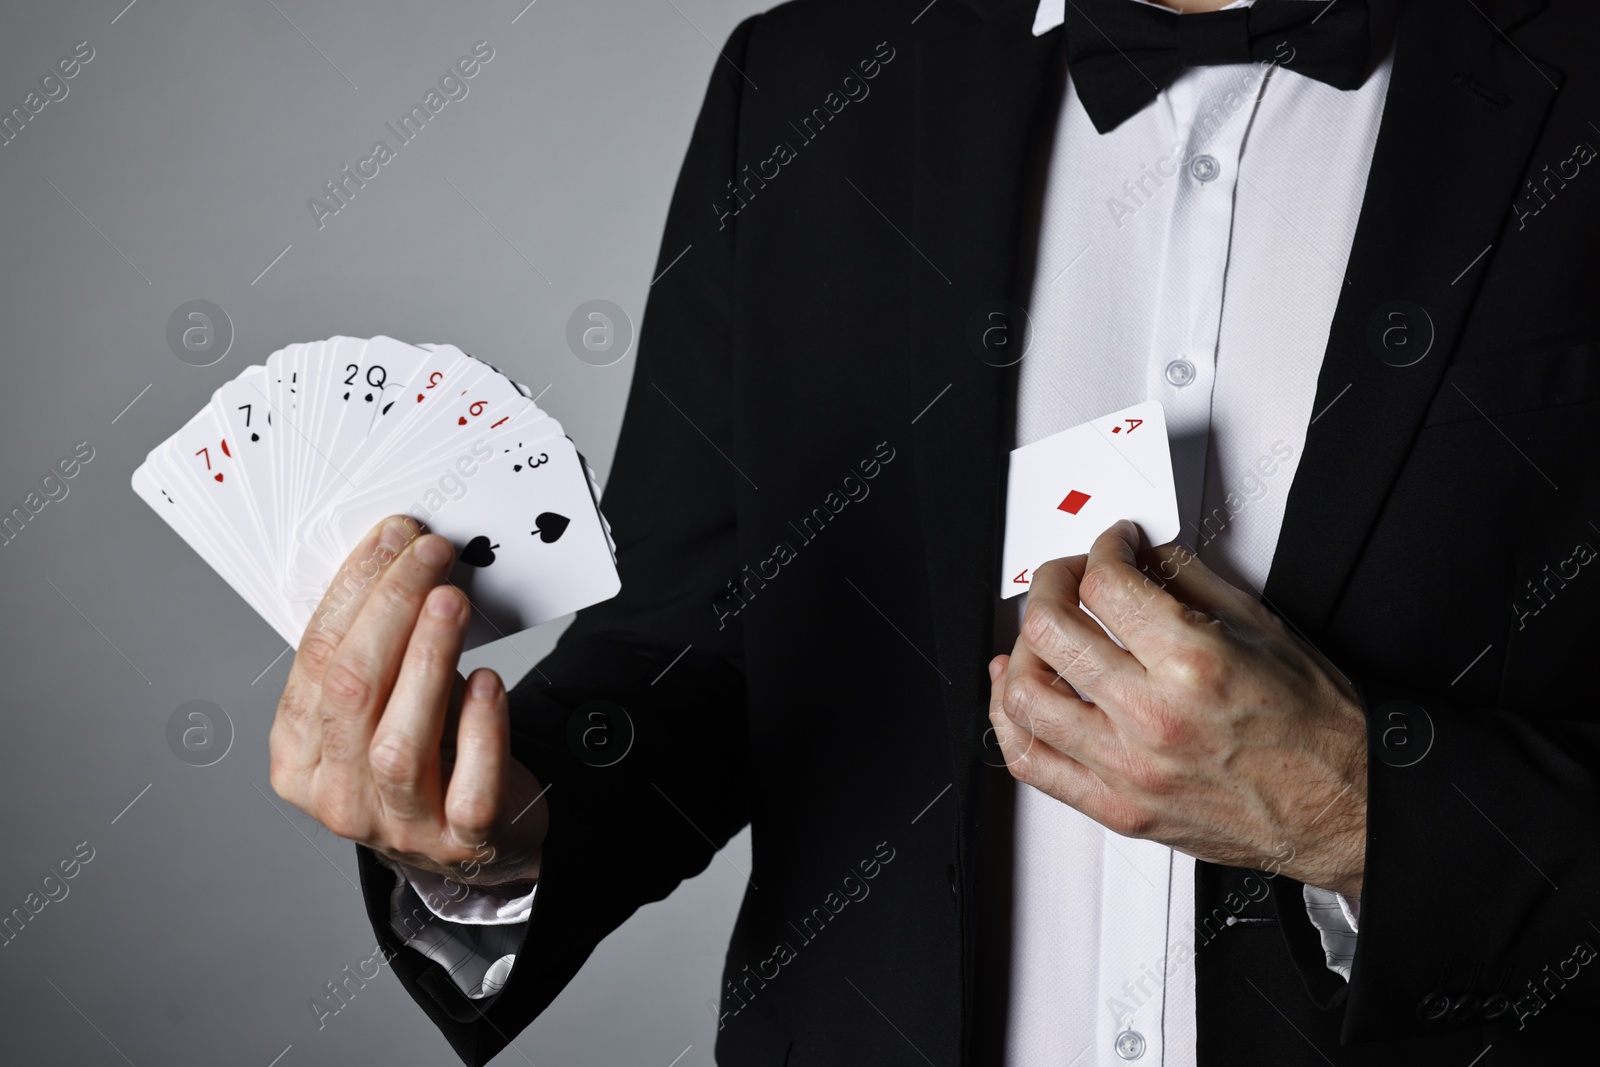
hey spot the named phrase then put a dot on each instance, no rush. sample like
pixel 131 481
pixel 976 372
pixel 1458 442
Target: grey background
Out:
pixel 212 912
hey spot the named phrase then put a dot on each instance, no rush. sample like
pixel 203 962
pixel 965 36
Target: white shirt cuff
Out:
pixel 474 936
pixel 457 903
pixel 1338 921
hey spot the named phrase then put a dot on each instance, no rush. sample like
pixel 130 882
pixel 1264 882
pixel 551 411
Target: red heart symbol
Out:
pixel 462 421
pixel 419 398
pixel 219 476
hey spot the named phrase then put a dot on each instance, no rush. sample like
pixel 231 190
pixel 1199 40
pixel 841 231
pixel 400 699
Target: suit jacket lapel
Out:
pixel 1463 113
pixel 978 85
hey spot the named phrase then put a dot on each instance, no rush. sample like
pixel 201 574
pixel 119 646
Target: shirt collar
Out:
pixel 1052 13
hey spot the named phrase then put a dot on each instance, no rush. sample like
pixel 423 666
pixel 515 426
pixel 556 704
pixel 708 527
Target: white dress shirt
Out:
pixel 1192 255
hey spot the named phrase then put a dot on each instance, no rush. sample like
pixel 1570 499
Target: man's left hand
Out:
pixel 1215 730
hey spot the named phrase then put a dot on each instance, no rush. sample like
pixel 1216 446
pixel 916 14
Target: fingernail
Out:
pixel 485 684
pixel 445 605
pixel 434 550
pixel 394 535
pixel 995 667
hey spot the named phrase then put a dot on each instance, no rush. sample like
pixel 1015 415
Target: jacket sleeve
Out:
pixel 1481 869
pixel 635 723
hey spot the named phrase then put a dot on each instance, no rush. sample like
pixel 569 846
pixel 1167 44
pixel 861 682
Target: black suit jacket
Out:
pixel 806 496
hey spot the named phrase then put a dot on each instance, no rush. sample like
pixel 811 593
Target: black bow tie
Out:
pixel 1121 54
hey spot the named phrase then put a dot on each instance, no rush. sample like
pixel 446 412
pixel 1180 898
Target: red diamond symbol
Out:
pixel 1074 502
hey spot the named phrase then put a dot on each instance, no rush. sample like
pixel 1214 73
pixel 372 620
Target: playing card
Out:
pixel 370 387
pixel 148 485
pixel 200 458
pixel 186 494
pixel 241 409
pixel 1066 490
pixel 444 373
pixel 529 540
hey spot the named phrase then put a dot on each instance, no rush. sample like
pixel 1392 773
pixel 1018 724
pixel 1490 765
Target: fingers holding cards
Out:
pixel 1138 612
pixel 361 676
pixel 405 745
pixel 296 738
pixel 406 760
pixel 1069 641
pixel 482 753
pixel 1184 577
pixel 348 591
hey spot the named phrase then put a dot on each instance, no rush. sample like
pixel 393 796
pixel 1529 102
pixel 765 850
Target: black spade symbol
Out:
pixel 516 467
pixel 369 398
pixel 347 396
pixel 550 526
pixel 479 552
pixel 255 437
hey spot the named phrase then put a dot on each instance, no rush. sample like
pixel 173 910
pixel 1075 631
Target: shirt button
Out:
pixel 1180 372
pixel 1129 1044
pixel 1493 1007
pixel 1434 1006
pixel 1204 168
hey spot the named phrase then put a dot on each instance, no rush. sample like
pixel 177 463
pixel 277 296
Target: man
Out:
pixel 1322 789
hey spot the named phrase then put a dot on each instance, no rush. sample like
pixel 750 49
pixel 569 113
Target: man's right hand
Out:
pixel 378 737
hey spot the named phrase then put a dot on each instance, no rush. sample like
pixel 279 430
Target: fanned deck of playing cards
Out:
pixel 275 481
